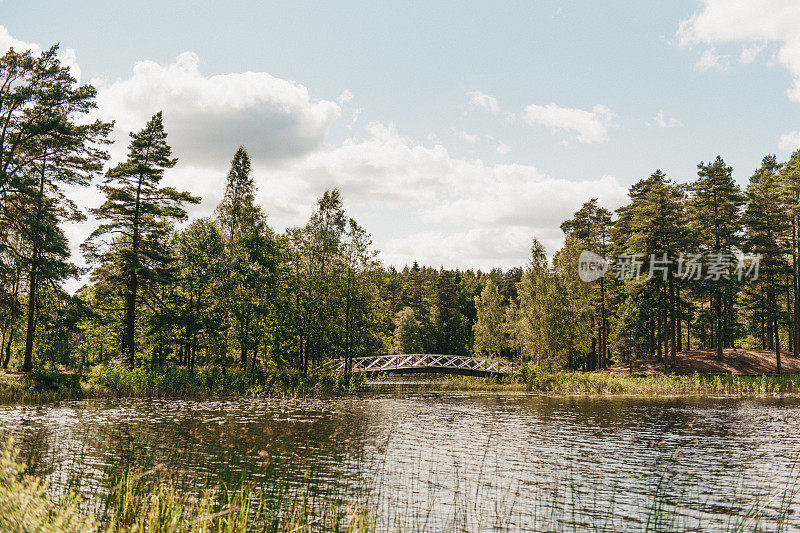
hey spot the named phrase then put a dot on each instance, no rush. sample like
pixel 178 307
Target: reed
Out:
pixel 161 500
pixel 170 382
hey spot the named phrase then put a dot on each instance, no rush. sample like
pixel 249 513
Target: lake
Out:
pixel 447 461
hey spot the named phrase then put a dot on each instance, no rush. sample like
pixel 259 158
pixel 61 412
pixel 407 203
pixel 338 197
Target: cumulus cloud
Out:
pixel 665 121
pixel 484 248
pixel 67 56
pixel 710 59
pixel 489 212
pixel 345 97
pixel 502 148
pixel 750 52
pixel 468 137
pixel 588 126
pixel 484 101
pixel 485 214
pixel 752 22
pixel 790 141
pixel 207 117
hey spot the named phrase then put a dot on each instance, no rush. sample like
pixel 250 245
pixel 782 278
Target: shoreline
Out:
pixel 110 382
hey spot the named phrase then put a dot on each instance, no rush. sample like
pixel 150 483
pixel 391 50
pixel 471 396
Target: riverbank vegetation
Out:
pixel 109 381
pixel 229 292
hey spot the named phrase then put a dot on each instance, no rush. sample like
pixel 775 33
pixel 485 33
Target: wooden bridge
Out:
pixel 419 363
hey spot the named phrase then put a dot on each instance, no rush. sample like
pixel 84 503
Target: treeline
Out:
pixel 229 290
pixel 701 265
pixel 224 290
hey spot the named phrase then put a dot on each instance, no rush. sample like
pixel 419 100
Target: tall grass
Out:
pixel 156 501
pixel 538 380
pixel 159 500
pixel 172 382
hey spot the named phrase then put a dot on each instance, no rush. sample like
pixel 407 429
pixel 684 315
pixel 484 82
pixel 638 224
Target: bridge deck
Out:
pixel 427 363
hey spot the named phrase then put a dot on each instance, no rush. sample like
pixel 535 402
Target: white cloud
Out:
pixel 480 208
pixel 468 137
pixel 710 59
pixel 208 117
pixel 345 97
pixel 502 148
pixel 354 117
pixel 752 22
pixel 750 52
pixel 485 215
pixel 790 141
pixel 484 101
pixel 588 126
pixel 65 55
pixel 665 121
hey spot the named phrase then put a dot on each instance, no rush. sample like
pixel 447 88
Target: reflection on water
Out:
pixel 443 461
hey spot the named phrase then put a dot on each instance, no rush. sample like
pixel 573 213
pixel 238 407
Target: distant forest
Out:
pixel 228 290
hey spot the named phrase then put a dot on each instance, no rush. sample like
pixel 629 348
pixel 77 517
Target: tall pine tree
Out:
pixel 138 212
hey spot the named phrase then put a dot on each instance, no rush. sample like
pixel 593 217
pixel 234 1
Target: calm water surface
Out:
pixel 445 461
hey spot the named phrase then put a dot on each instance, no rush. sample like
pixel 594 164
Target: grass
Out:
pixel 170 382
pixel 696 384
pixel 154 501
pixel 159 501
pixel 175 382
pixel 536 380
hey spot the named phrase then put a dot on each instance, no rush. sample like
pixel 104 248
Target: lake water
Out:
pixel 447 461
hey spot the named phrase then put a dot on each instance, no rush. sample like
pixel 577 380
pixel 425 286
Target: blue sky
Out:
pixel 457 131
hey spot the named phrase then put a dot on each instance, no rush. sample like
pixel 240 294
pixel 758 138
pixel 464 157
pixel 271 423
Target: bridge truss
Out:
pixel 426 363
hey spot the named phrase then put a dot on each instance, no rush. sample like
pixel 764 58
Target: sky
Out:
pixel 456 131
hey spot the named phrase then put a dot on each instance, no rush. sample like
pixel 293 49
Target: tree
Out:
pixel 489 327
pixel 591 225
pixel 238 204
pixel 406 332
pixel 200 256
pixel 138 211
pixel 790 185
pixel 251 254
pixel 716 202
pixel 42 150
pixel 654 228
pixel 532 326
pixel 767 222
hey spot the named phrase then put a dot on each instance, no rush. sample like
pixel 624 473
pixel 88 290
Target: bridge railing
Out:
pixel 390 362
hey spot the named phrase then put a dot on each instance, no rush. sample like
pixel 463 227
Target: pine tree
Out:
pixel 715 203
pixel 138 211
pixel 653 227
pixel 238 202
pixel 250 254
pixel 767 225
pixel 790 182
pixel 43 149
pixel 591 225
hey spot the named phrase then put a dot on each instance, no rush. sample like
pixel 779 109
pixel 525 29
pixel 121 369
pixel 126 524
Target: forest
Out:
pixel 228 290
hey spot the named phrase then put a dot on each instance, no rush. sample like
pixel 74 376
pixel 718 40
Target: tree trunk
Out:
pixel 33 279
pixel 677 311
pixel 718 316
pixel 673 328
pixel 27 364
pixel 795 288
pixel 8 347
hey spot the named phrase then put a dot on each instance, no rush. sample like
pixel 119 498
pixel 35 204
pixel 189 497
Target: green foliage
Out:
pixel 138 211
pixel 26 504
pixel 489 331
